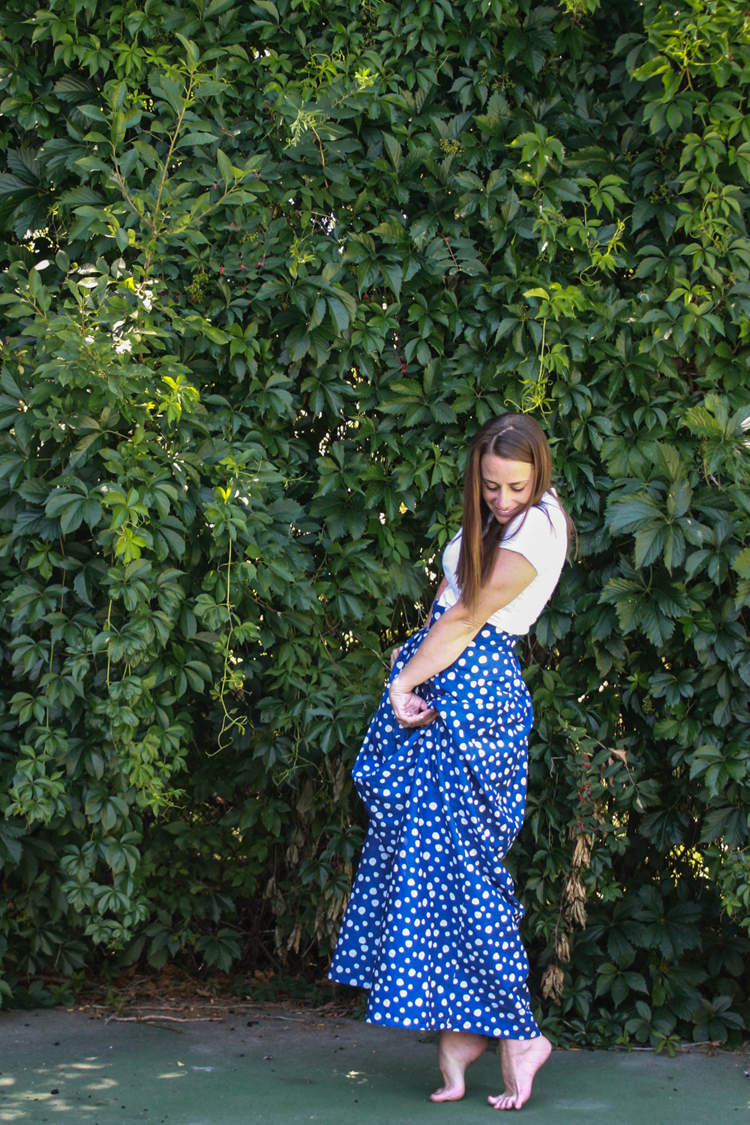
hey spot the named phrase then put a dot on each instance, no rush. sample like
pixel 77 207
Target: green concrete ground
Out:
pixel 65 1068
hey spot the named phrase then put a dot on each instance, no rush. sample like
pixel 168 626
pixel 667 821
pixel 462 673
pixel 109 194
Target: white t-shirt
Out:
pixel 543 542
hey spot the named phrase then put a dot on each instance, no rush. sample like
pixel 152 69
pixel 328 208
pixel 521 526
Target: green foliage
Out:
pixel 265 269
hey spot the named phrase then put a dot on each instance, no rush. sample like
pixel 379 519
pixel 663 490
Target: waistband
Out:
pixel 498 636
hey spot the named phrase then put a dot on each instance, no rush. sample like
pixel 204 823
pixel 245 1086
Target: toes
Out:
pixel 503 1101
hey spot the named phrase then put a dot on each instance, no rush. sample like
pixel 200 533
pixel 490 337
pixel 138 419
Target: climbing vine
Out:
pixel 265 268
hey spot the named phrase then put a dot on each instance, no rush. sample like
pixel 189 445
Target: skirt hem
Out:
pixel 440 1027
pixel 396 1022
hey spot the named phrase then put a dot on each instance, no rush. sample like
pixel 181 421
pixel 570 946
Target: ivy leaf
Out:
pixel 225 167
pixel 339 314
pixel 72 509
pixel 741 563
pixel 671 930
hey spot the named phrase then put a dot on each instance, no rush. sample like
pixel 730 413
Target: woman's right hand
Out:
pixel 395 655
pixel 409 708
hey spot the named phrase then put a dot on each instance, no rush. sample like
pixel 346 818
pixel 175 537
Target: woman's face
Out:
pixel 506 485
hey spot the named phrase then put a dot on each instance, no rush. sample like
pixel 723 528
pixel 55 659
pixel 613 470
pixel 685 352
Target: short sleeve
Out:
pixel 536 538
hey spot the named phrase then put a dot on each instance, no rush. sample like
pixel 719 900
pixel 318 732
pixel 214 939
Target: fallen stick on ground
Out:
pixel 173 1019
pixel 286 1019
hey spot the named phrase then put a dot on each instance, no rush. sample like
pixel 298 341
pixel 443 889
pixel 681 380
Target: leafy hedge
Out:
pixel 266 267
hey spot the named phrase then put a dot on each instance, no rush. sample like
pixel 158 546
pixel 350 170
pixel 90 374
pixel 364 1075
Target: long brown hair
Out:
pixel 514 437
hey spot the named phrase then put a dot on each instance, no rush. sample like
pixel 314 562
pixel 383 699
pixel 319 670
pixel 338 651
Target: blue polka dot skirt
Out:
pixel 431 928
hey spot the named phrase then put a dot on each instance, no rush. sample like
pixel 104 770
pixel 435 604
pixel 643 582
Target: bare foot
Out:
pixel 521 1059
pixel 456 1051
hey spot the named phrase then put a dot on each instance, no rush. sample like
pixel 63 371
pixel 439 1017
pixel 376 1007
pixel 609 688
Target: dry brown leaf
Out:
pixel 553 982
pixel 582 851
pixel 562 947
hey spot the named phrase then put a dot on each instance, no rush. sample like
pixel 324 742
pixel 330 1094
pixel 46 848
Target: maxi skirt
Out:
pixel 431 928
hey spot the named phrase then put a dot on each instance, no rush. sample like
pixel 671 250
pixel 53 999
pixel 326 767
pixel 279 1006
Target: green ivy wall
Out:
pixel 265 269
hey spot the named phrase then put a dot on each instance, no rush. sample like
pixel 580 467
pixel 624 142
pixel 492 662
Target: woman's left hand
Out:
pixel 410 709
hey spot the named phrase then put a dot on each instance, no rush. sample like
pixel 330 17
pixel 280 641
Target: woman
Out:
pixel 431 928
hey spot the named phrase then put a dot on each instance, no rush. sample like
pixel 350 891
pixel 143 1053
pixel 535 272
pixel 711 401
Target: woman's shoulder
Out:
pixel 540 534
pixel 550 508
pixel 544 518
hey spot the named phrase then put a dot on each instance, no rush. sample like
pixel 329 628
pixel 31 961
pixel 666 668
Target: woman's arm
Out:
pixel 457 628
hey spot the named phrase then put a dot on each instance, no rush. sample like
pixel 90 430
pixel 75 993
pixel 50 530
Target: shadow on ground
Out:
pixel 273 1068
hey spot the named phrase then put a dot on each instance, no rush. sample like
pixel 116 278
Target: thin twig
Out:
pixel 287 1019
pixel 172 1019
pixel 328 654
